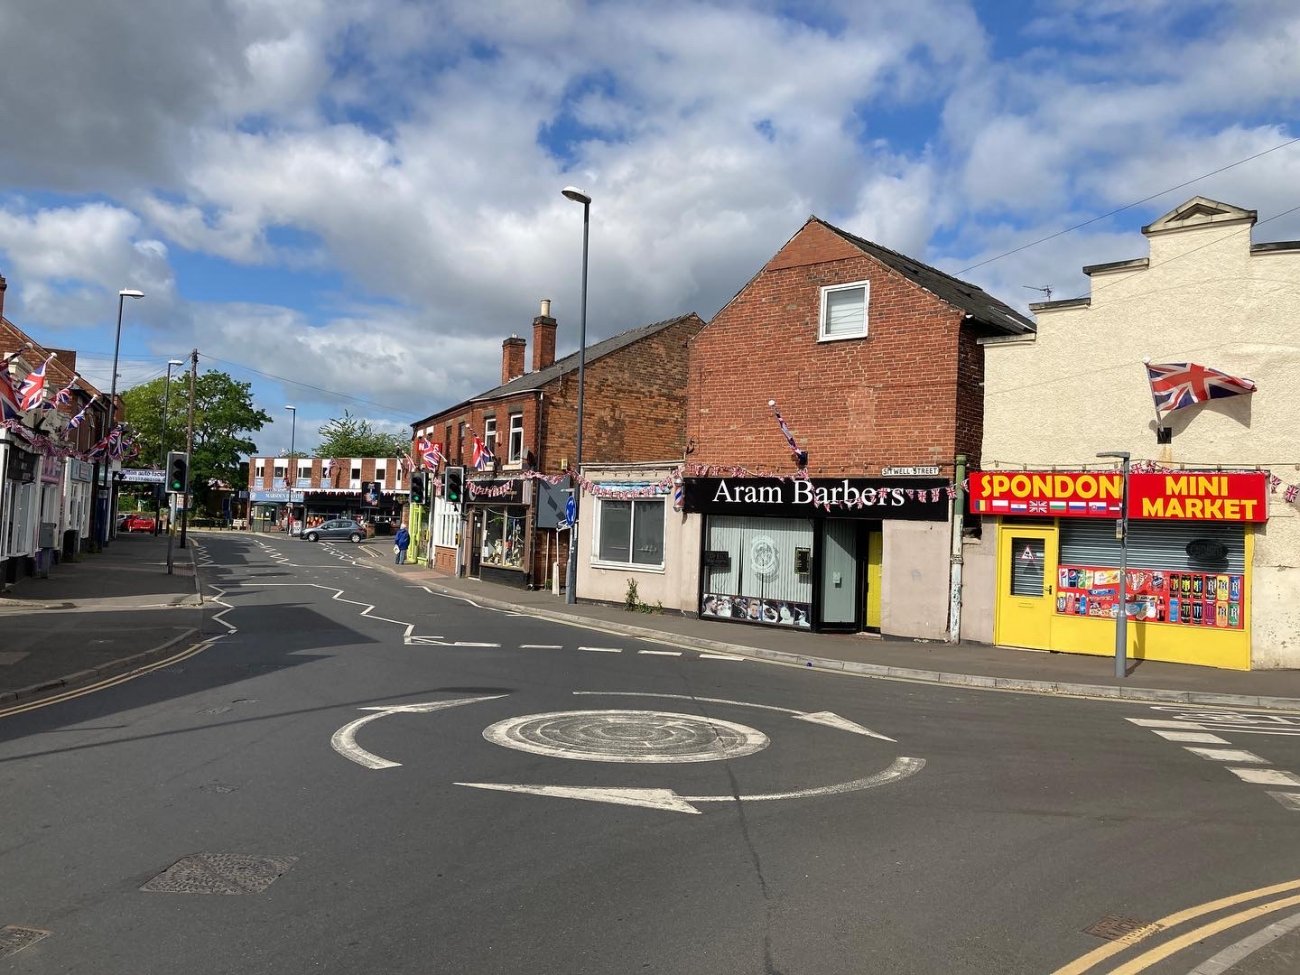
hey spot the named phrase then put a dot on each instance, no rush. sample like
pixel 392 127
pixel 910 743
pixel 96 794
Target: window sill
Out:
pixel 842 338
pixel 629 567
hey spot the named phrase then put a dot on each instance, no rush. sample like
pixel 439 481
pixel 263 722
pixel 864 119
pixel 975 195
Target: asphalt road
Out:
pixel 634 808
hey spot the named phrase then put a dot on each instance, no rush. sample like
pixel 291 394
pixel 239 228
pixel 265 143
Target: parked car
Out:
pixel 338 528
pixel 136 523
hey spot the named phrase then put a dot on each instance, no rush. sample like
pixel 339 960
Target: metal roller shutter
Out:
pixel 1151 544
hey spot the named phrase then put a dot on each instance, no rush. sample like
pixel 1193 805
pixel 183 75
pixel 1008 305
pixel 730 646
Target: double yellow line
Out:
pixel 1167 948
pixel 45 702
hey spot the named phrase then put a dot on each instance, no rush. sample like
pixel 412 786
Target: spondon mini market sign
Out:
pixel 1181 496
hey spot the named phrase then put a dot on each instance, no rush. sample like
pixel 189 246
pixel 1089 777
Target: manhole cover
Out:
pixel 1113 927
pixel 220 873
pixel 14 938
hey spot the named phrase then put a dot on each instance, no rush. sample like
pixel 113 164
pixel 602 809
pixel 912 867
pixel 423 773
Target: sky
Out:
pixel 351 204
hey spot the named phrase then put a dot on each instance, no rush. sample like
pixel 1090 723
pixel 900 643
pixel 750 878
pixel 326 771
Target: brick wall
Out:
pixel 856 405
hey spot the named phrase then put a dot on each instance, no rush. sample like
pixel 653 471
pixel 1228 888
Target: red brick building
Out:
pixel 508 527
pixel 873 360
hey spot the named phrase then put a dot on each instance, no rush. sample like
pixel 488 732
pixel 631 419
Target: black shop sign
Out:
pixel 894 498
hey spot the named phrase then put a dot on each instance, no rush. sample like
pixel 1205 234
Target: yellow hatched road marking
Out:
pixel 1081 965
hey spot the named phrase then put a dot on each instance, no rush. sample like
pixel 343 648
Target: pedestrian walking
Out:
pixel 401 542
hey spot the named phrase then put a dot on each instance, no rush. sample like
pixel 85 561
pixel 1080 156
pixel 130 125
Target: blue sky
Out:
pixel 362 199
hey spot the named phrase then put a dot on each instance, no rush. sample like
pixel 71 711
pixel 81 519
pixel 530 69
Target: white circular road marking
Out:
pixel 646 737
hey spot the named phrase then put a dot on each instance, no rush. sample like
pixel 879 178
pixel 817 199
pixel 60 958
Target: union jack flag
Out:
pixel 1038 507
pixel 1175 385
pixel 482 458
pixel 76 420
pixel 32 390
pixel 64 396
pixel 10 408
pixel 430 453
pixel 800 456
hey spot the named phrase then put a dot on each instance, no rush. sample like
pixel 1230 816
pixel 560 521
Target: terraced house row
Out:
pixel 860 442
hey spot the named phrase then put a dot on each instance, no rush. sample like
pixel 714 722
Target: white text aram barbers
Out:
pixel 805 492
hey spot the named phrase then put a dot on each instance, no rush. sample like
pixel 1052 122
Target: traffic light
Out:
pixel 454 486
pixel 417 488
pixel 178 472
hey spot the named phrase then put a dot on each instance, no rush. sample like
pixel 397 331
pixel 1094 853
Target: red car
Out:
pixel 136 523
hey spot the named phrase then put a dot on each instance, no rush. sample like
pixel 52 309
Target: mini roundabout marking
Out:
pixel 627 736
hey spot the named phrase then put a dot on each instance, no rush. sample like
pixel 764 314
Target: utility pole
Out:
pixel 189 445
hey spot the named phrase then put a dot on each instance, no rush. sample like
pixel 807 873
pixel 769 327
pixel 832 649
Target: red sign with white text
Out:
pixel 1182 496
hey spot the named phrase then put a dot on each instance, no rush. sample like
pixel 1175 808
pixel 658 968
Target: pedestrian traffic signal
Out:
pixel 454 485
pixel 178 472
pixel 417 488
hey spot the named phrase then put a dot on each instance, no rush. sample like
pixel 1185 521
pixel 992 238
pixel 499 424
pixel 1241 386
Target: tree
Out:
pixel 224 415
pixel 348 436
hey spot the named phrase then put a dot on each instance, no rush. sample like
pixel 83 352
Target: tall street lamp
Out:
pixel 122 295
pixel 571 587
pixel 291 469
pixel 1121 529
pixel 165 443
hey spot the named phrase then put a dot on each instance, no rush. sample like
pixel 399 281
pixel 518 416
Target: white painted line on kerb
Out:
pixel 540 646
pixel 1266 776
pixel 1228 755
pixel 602 649
pixel 1202 737
pixel 661 653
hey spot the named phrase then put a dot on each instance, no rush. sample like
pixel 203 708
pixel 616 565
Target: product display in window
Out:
pixel 503 539
pixel 774 612
pixel 1154 596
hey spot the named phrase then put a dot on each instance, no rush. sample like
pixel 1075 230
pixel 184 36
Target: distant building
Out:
pixel 373 489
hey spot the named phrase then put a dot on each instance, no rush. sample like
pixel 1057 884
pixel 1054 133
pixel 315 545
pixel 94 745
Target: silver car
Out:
pixel 338 528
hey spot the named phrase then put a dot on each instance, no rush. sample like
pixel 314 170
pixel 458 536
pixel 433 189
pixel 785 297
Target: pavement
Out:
pixel 112 612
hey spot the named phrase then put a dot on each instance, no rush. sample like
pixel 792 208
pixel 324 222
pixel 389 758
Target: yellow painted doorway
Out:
pixel 875 562
pixel 1027 558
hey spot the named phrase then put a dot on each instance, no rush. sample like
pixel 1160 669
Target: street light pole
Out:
pixel 571 583
pixel 110 524
pixel 291 469
pixel 162 438
pixel 1121 529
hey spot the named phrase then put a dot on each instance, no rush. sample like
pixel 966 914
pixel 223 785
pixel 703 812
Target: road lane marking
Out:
pixel 1162 723
pixel 1291 800
pixel 1204 737
pixel 1229 956
pixel 1092 958
pixel 721 656
pixel 661 653
pixel 1159 953
pixel 541 646
pixel 602 649
pixel 344 741
pixel 1227 755
pixel 463 643
pixel 1266 776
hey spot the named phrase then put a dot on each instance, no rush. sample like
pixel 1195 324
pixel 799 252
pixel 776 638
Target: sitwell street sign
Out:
pixel 928 471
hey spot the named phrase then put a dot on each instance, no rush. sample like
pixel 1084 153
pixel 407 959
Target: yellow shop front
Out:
pixel 1187 580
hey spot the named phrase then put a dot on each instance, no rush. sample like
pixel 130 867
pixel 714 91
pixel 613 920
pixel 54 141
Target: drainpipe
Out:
pixel 954 595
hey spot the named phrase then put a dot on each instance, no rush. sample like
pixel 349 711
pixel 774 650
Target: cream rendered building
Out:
pixel 1078 386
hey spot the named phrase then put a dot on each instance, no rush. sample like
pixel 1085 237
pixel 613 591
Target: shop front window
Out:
pixel 1027 566
pixel 503 538
pixel 758 570
pixel 631 532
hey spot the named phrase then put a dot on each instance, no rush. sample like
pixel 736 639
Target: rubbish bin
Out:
pixel 71 542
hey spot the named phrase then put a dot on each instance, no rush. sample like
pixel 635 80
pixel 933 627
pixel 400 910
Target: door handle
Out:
pixel 1049 590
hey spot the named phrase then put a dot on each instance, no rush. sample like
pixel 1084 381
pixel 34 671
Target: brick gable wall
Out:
pixel 856 405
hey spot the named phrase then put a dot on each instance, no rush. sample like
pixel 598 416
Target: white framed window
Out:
pixel 844 311
pixel 490 434
pixel 630 533
pixel 304 473
pixel 516 438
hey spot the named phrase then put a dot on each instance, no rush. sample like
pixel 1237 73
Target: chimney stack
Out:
pixel 512 358
pixel 3 284
pixel 543 337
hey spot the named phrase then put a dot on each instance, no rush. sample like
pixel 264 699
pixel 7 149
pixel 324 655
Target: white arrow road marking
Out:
pixel 344 742
pixel 832 720
pixel 828 718
pixel 669 801
pixel 664 799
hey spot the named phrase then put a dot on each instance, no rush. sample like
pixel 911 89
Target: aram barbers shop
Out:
pixel 824 554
